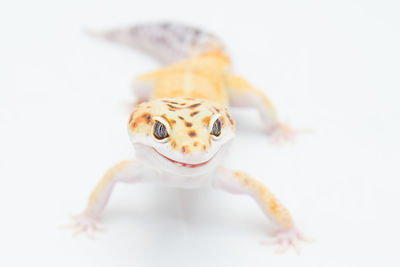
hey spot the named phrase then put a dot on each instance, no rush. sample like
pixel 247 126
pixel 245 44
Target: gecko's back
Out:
pixel 198 61
pixel 199 77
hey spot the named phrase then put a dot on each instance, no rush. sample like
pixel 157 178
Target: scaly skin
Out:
pixel 190 100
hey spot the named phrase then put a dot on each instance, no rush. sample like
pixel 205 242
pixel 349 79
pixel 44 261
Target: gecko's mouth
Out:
pixel 183 164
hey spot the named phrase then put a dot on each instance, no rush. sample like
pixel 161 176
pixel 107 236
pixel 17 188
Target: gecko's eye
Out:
pixel 160 131
pixel 216 128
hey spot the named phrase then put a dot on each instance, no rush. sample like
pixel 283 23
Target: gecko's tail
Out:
pixel 167 42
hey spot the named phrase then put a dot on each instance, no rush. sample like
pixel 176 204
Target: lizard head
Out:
pixel 181 135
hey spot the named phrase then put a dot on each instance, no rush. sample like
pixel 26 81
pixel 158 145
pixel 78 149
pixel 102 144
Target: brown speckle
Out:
pixel 195 143
pixel 144 117
pixel 172 121
pixel 194 105
pixel 148 119
pixel 188 124
pixel 194 113
pixel 229 118
pixel 192 133
pixel 171 102
pixel 180 117
pixel 133 126
pixel 173 107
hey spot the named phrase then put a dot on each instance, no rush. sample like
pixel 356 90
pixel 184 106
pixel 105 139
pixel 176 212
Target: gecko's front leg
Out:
pixel 237 182
pixel 125 171
pixel 242 94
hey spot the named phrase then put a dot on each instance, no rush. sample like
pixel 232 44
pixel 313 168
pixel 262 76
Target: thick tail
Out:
pixel 167 42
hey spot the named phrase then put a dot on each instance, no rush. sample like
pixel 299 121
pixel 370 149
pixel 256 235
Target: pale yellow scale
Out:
pixel 200 77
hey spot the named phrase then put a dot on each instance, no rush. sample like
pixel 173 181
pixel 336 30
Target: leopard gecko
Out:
pixel 181 127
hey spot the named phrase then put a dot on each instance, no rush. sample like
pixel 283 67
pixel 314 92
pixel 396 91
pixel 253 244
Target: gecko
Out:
pixel 181 127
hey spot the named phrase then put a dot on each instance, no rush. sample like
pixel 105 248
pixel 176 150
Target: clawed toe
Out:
pixel 281 134
pixel 286 239
pixel 84 224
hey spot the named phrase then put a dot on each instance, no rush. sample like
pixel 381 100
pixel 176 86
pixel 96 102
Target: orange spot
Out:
pixel 173 144
pixel 131 117
pixel 185 150
pixel 222 119
pixel 206 121
pixel 273 206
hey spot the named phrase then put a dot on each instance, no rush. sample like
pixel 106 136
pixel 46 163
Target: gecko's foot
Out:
pixel 84 223
pixel 285 239
pixel 281 133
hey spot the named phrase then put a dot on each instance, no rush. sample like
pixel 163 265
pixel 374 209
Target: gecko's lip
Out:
pixel 183 164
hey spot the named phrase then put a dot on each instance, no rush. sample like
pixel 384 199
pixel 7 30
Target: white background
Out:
pixel 331 66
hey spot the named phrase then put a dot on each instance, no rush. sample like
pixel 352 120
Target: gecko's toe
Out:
pixel 84 224
pixel 285 239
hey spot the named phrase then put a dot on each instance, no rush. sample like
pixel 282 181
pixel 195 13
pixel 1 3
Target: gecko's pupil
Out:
pixel 160 131
pixel 216 129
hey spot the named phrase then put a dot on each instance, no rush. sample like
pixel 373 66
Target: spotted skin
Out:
pixel 187 117
pixel 189 99
pixel 267 200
